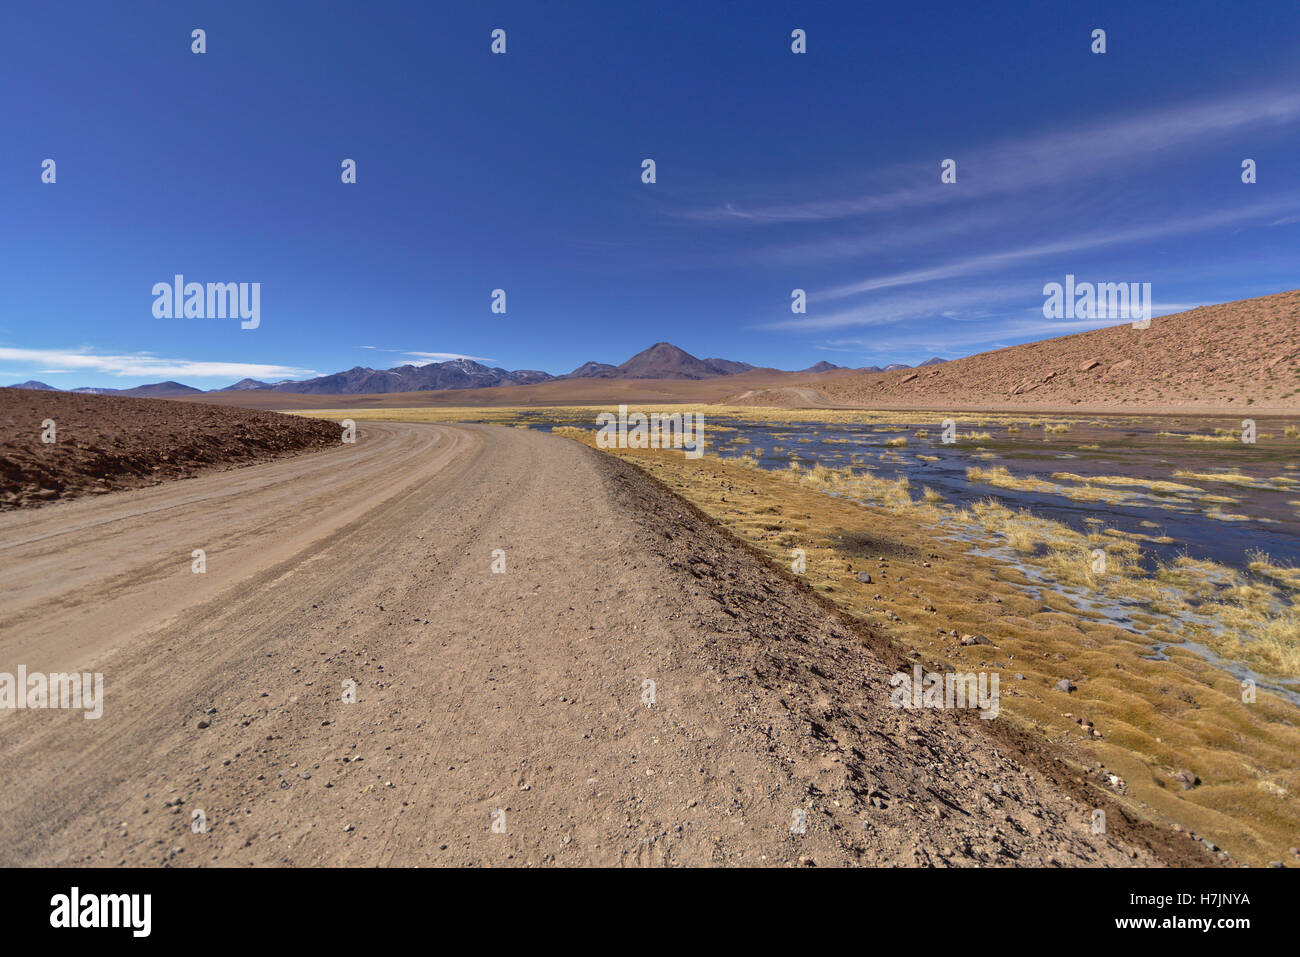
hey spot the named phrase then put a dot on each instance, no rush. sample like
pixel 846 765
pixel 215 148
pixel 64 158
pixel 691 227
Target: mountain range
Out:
pixel 663 360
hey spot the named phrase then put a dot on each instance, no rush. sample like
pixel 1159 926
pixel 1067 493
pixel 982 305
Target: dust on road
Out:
pixel 634 688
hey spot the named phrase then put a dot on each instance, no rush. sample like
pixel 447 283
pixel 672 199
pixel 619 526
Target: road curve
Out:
pixel 633 688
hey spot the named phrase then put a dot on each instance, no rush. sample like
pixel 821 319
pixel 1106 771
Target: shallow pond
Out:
pixel 1263 514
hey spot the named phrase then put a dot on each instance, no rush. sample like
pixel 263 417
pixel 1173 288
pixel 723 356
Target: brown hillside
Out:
pixel 1213 358
pixel 108 442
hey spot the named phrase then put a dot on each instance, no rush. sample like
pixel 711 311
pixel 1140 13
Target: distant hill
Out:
pixel 454 374
pixel 246 384
pixel 663 360
pixel 594 370
pixel 936 361
pixel 728 366
pixel 153 390
pixel 158 390
pixel 33 384
pixel 822 366
pixel 1233 356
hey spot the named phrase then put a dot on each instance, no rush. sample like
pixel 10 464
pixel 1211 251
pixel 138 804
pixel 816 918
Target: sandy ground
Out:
pixel 477 692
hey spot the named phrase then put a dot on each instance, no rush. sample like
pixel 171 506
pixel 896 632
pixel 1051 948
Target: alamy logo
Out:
pixel 1102 300
pixel 56 690
pixel 179 299
pixel 654 431
pixel 103 910
pixel 932 689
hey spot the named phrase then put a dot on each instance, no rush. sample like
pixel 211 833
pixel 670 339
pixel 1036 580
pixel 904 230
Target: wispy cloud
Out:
pixel 957 337
pixel 1014 166
pixel 969 301
pixel 429 357
pixel 991 261
pixel 425 358
pixel 145 365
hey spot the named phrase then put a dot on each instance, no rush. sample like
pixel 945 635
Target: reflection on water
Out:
pixel 1261 517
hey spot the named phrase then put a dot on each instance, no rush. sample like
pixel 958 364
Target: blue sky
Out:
pixel 476 171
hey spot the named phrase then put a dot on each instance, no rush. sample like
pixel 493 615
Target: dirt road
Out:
pixel 500 716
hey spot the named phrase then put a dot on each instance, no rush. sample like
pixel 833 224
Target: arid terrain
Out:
pixel 1235 356
pixel 544 394
pixel 555 659
pixel 629 686
pixel 1213 360
pixel 101 444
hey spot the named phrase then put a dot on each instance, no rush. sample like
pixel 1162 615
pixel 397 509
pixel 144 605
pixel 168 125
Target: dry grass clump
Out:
pixel 571 431
pixel 999 477
pixel 1262 564
pixel 861 486
pixel 1155 485
pixel 1220 516
pixel 1205 602
pixel 1231 478
pixel 895 443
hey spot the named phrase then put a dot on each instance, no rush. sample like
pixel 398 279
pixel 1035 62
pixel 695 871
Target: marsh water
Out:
pixel 1263 514
pixel 1233 503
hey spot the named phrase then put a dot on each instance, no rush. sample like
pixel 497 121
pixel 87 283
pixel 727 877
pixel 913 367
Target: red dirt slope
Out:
pixel 1218 358
pixel 110 442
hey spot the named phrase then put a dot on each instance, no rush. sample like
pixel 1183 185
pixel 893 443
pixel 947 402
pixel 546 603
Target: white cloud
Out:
pixel 146 365
pixel 442 357
pixel 426 358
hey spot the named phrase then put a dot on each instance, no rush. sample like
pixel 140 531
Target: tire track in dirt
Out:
pixel 477 691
